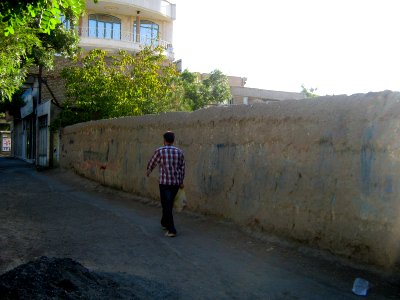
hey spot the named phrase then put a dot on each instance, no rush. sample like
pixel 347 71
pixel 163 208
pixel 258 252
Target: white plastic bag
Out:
pixel 180 200
pixel 360 287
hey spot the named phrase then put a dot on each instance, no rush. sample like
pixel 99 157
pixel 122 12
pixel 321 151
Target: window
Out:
pixel 104 27
pixel 65 22
pixel 149 32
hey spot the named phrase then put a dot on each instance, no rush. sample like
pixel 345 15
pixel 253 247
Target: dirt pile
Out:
pixel 64 278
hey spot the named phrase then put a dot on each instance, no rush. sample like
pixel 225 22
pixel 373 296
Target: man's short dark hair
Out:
pixel 169 137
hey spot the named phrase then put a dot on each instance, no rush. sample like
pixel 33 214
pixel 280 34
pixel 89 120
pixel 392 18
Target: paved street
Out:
pixel 58 214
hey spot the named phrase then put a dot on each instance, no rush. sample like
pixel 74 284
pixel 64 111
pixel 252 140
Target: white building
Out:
pixel 128 25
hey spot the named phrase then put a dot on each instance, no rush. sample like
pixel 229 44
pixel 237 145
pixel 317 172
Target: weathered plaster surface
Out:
pixel 323 171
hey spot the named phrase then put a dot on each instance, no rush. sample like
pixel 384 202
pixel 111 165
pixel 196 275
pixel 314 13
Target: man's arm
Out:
pixel 152 162
pixel 182 167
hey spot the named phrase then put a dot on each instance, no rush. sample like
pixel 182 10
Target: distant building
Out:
pixel 246 95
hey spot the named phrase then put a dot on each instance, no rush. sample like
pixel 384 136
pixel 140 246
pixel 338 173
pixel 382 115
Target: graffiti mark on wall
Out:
pixel 367 156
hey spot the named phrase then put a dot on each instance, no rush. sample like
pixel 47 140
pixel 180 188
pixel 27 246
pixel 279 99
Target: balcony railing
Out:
pixel 124 36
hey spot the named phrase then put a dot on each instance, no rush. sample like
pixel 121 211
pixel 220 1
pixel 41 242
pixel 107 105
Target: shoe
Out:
pixel 170 234
pixel 164 228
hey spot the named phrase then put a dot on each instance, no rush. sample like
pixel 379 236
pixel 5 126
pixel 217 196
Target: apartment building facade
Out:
pixel 111 25
pixel 128 25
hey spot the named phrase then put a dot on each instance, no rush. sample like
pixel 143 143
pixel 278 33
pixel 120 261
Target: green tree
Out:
pixel 192 97
pixel 15 60
pixel 46 14
pixel 31 33
pixel 214 89
pixel 120 85
pixel 309 93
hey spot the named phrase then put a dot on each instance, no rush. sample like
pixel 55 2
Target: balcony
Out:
pixel 91 38
pixel 161 9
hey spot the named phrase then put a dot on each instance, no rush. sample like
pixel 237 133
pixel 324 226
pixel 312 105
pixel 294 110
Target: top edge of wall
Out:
pixel 357 104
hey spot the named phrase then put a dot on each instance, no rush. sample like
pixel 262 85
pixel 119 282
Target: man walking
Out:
pixel 171 163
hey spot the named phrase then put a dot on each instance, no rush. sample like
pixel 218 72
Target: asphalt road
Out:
pixel 55 213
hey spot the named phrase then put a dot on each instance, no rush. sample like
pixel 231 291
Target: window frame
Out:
pixel 144 39
pixel 110 27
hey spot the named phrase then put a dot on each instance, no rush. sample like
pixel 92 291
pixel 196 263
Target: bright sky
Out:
pixel 337 46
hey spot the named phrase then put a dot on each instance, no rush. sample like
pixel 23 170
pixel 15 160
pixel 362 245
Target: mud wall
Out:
pixel 325 171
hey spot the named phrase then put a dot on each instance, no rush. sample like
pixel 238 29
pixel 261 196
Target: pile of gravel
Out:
pixel 64 278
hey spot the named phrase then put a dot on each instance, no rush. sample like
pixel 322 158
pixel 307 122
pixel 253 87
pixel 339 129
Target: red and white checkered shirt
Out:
pixel 171 164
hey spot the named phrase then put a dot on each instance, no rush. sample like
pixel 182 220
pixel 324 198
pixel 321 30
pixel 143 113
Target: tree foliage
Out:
pixel 46 14
pixel 104 86
pixel 31 33
pixel 15 60
pixel 309 93
pixel 214 89
pixel 192 90
pixel 120 85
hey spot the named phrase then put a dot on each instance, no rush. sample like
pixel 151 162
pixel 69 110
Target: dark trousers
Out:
pixel 167 195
